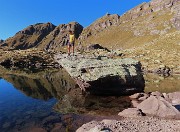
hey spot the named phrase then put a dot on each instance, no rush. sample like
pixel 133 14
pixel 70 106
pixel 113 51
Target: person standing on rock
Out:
pixel 71 42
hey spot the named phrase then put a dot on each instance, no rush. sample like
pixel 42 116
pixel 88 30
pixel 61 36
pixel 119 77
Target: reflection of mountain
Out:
pixel 58 84
pixel 41 85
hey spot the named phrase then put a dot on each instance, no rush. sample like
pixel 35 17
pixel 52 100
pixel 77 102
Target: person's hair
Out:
pixel 70 31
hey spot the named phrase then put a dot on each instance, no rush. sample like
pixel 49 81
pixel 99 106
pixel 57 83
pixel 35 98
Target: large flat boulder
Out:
pixel 104 76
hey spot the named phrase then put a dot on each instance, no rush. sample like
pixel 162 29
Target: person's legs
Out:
pixel 69 49
pixel 73 49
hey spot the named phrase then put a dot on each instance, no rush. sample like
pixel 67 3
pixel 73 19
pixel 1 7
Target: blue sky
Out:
pixel 15 15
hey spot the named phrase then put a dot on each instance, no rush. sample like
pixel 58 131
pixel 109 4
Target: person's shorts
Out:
pixel 71 44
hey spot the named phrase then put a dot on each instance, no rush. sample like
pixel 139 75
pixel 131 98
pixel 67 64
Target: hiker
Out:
pixel 71 42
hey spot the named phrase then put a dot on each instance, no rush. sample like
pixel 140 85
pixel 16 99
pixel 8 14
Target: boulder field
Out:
pixel 157 112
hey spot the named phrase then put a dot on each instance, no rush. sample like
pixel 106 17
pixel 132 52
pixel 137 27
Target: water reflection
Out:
pixel 58 84
pixel 17 111
pixel 42 100
pixel 42 85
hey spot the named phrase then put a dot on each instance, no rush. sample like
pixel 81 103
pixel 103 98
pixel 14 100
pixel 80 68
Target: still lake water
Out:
pixel 45 100
pixel 49 101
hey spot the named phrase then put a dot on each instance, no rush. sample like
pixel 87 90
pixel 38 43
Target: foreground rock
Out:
pixel 103 75
pixel 143 124
pixel 158 106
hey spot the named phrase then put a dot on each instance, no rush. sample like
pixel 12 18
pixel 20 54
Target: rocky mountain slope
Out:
pixel 29 37
pixel 148 33
pixel 42 35
pixel 136 27
pixel 59 36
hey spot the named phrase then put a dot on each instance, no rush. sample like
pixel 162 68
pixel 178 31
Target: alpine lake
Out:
pixel 49 100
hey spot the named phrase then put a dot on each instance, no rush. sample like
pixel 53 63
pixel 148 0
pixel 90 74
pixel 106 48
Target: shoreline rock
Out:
pixel 153 114
pixel 107 76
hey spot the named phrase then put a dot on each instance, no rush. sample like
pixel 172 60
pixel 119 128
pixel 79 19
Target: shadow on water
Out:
pixel 49 100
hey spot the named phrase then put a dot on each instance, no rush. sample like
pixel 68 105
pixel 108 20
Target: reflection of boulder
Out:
pixel 74 102
pixel 42 85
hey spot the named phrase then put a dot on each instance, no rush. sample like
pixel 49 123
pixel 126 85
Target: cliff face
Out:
pixel 29 37
pixel 59 36
pixel 100 25
pixel 136 27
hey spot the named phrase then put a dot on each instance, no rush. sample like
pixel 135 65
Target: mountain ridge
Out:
pixel 138 26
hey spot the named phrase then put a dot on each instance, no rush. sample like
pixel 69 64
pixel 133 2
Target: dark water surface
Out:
pixel 51 101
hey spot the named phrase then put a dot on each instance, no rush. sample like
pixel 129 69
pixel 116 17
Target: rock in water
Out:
pixel 105 77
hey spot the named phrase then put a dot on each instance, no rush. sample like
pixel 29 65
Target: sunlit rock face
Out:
pixel 29 37
pixel 60 36
pixel 44 36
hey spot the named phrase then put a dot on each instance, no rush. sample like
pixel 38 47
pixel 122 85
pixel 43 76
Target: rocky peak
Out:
pixel 59 36
pixel 38 28
pixel 30 36
pixel 100 25
pixel 148 8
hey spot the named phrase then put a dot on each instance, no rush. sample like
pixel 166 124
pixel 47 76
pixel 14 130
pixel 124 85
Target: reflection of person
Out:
pixel 71 42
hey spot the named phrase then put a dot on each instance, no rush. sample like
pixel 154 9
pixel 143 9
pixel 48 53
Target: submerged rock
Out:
pixel 107 76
